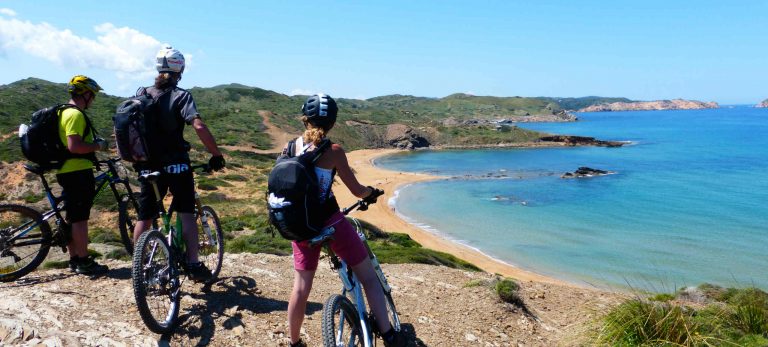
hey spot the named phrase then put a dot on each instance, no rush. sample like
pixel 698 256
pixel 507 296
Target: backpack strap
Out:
pixel 289 149
pixel 88 129
pixel 318 152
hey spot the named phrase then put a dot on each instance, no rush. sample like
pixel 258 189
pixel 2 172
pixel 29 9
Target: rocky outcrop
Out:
pixel 569 140
pixel 676 104
pixel 586 172
pixel 762 104
pixel 247 307
pixel 402 136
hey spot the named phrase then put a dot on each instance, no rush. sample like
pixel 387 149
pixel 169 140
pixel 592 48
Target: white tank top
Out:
pixel 324 176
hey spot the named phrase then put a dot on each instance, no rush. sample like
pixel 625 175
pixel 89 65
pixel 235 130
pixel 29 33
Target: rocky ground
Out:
pixel 438 306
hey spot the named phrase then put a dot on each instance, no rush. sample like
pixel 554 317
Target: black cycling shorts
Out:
pixel 78 190
pixel 177 178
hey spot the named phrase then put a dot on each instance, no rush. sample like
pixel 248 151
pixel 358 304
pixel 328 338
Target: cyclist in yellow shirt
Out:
pixel 76 174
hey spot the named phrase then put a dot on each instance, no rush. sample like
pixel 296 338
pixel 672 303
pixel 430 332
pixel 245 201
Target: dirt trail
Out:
pixel 279 137
pixel 247 307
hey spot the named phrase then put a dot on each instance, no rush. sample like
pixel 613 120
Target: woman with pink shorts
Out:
pixel 319 117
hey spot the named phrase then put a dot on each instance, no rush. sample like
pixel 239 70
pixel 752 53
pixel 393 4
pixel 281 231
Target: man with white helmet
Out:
pixel 168 152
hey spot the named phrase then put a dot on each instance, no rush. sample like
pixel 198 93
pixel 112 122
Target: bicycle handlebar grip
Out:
pixel 375 193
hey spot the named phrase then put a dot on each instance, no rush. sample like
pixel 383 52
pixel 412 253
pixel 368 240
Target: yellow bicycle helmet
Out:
pixel 80 84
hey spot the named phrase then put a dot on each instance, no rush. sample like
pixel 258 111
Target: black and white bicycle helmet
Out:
pixel 320 110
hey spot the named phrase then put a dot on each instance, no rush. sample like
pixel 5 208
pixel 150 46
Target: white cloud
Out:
pixel 299 91
pixel 125 51
pixel 8 12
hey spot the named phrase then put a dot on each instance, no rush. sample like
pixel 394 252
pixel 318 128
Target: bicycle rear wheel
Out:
pixel 156 284
pixel 25 239
pixel 211 240
pixel 128 209
pixel 340 323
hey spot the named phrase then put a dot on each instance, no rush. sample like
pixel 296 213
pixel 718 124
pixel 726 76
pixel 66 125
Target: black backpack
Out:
pixel 131 131
pixel 41 144
pixel 292 194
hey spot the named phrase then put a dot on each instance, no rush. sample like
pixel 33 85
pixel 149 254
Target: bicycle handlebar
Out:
pixel 361 204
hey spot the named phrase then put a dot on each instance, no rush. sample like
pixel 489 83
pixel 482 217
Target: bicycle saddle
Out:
pixel 150 177
pixel 325 234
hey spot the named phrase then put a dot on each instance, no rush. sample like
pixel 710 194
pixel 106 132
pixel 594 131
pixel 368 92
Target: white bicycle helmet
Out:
pixel 170 59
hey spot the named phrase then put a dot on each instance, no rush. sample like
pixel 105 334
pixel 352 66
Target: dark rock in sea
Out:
pixel 586 172
pixel 569 140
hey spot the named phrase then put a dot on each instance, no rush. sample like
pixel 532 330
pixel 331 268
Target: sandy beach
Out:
pixel 384 217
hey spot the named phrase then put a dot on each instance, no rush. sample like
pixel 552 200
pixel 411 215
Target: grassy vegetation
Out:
pixel 231 111
pixel 509 291
pixel 727 317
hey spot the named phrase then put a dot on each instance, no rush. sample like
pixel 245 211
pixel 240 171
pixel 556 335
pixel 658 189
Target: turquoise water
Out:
pixel 688 203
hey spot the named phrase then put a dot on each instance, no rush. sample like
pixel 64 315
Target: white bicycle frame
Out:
pixel 352 285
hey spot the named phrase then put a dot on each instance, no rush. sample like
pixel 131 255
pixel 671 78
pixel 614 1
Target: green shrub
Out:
pixel 259 242
pixel 637 323
pixel 55 264
pixel 105 236
pixel 31 197
pixel 508 291
pixel 736 317
pixel 475 283
pixel 662 297
pixel 234 177
pixel 118 253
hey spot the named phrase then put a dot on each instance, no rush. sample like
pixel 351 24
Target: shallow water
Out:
pixel 687 204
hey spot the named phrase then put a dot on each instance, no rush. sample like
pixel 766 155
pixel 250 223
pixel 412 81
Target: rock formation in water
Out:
pixel 569 140
pixel 586 172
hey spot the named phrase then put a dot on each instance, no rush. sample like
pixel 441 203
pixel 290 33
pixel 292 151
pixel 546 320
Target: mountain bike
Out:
pixel 26 236
pixel 160 260
pixel 346 321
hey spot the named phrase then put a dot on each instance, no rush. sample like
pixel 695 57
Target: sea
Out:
pixel 686 202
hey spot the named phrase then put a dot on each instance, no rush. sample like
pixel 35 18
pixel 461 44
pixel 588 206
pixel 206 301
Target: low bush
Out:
pixel 732 317
pixel 509 291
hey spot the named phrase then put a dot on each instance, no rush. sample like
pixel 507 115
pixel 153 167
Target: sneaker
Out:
pixel 73 265
pixel 299 343
pixel 394 338
pixel 198 272
pixel 88 266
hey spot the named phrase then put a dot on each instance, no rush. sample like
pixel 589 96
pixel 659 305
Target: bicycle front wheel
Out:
pixel 394 318
pixel 25 239
pixel 211 241
pixel 340 323
pixel 156 284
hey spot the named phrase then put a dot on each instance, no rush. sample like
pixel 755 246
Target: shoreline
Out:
pixel 383 216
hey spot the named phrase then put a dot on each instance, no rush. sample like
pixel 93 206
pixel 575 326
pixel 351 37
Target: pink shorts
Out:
pixel 346 244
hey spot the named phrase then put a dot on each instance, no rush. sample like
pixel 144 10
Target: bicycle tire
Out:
pixel 340 324
pixel 34 245
pixel 210 250
pixel 156 284
pixel 394 318
pixel 128 208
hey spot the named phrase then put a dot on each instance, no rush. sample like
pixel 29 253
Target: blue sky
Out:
pixel 703 50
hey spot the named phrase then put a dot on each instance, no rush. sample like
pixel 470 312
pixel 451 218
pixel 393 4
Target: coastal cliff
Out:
pixel 676 104
pixel 762 104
